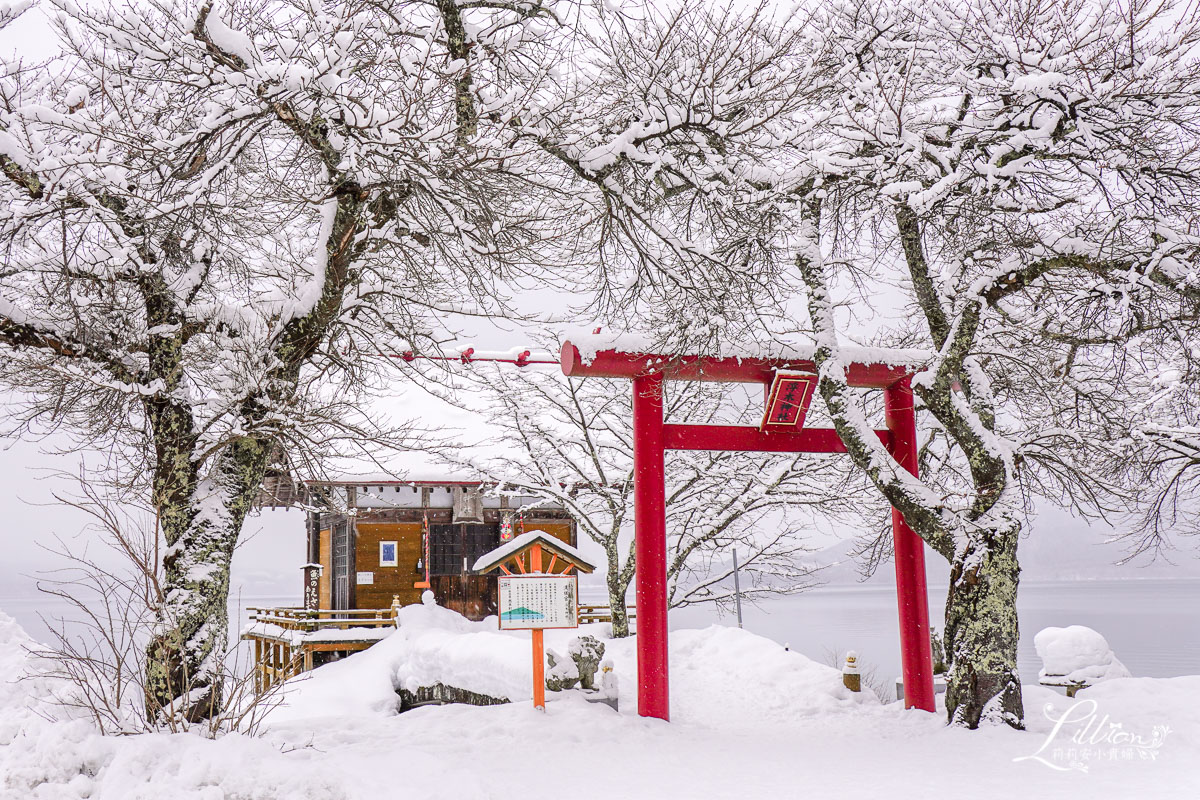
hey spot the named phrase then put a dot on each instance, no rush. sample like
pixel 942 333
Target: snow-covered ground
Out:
pixel 749 720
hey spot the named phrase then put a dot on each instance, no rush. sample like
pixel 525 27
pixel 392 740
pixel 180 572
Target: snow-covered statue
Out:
pixel 562 673
pixel 608 684
pixel 587 652
pixel 1075 657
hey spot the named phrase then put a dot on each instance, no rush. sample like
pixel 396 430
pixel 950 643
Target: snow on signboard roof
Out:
pixel 495 558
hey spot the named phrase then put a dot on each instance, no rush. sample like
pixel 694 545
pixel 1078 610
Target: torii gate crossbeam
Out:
pixel 652 438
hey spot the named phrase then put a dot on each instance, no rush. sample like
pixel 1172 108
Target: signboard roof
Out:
pixel 494 558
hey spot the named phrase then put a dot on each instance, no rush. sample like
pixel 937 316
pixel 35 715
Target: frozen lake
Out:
pixel 1153 625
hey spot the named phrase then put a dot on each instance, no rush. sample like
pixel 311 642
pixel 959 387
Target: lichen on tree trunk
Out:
pixel 982 631
pixel 185 655
pixel 620 614
pixel 618 584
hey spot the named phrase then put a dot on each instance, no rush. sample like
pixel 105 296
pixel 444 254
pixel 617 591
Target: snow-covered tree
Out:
pixel 1035 168
pixel 1022 174
pixel 664 114
pixel 572 442
pixel 1158 387
pixel 214 214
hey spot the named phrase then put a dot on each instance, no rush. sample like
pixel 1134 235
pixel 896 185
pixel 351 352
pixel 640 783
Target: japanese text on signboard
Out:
pixel 538 601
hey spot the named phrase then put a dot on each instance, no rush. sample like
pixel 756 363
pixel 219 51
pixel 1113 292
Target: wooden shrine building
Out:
pixel 385 540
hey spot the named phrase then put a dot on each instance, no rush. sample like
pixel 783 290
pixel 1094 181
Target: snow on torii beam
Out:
pixel 652 438
pixel 616 364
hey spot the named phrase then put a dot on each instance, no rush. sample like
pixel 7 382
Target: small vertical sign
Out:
pixel 312 587
pixel 788 400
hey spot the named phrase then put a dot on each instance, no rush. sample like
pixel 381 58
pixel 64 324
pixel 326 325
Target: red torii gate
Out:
pixel 789 385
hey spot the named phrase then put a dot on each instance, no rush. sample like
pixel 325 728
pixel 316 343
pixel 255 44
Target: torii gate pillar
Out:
pixel 909 556
pixel 650 551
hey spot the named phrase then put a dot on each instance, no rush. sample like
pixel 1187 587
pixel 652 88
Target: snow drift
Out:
pixel 748 719
pixel 719 675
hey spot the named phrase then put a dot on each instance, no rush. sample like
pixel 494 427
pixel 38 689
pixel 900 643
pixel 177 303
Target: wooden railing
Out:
pixel 601 613
pixel 276 658
pixel 303 619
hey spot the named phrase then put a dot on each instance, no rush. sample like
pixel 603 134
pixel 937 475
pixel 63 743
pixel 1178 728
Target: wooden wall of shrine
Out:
pixel 351 548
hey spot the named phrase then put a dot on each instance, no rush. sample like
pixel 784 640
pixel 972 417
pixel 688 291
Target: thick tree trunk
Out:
pixel 184 657
pixel 981 613
pixel 981 632
pixel 620 615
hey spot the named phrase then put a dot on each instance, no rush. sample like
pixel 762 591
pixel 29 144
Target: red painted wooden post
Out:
pixel 650 521
pixel 539 647
pixel 911 593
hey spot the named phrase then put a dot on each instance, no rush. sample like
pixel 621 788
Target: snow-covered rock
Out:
pixel 1076 655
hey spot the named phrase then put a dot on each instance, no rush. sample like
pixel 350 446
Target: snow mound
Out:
pixel 719 675
pixel 24 693
pixel 430 645
pixel 14 644
pixel 728 676
pixel 1076 654
pixel 1141 704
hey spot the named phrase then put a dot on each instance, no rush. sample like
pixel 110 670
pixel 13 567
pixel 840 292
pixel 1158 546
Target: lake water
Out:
pixel 1153 625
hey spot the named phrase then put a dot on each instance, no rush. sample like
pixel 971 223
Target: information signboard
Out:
pixel 539 601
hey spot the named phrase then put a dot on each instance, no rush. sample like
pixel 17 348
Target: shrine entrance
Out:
pixel 789 385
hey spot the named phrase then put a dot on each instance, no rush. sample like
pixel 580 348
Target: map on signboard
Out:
pixel 538 601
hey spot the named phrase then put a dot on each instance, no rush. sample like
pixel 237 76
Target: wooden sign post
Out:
pixel 533 596
pixel 539 642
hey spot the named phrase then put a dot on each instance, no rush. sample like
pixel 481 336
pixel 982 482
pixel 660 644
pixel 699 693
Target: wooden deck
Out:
pixel 286 639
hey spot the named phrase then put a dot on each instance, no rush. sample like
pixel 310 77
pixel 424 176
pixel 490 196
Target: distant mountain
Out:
pixel 1057 547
